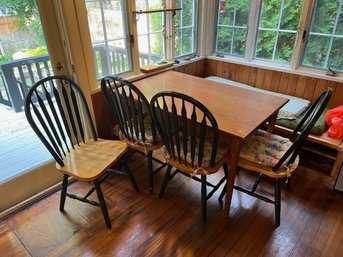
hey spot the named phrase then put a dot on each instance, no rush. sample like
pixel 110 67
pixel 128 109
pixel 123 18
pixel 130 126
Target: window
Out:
pixel 277 29
pixel 126 35
pixel 109 34
pixel 232 22
pixel 185 28
pixel 324 46
pixel 268 30
pixel 150 29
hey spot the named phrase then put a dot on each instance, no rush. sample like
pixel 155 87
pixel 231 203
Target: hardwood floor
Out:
pixel 144 225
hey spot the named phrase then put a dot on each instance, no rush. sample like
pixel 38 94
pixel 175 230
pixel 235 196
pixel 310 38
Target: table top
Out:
pixel 238 111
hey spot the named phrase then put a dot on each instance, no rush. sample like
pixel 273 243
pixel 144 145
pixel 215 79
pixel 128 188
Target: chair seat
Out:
pixel 282 172
pixel 264 148
pixel 221 157
pixel 88 161
pixel 262 151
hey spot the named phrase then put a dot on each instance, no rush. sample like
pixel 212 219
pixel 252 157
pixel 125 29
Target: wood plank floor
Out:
pixel 144 225
pixel 20 148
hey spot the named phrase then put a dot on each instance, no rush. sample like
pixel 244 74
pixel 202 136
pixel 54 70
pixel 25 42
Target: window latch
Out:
pixel 331 73
pixel 132 39
pixel 304 35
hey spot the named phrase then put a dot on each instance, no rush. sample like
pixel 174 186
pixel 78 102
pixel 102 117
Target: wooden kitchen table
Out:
pixel 238 111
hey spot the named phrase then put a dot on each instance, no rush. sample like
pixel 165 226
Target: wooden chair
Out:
pixel 130 107
pixel 57 111
pixel 277 157
pixel 191 137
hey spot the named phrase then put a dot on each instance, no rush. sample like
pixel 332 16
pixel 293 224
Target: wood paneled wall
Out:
pixel 195 68
pixel 103 116
pixel 282 82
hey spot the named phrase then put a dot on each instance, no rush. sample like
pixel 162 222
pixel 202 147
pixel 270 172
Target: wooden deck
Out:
pixel 20 148
pixel 144 225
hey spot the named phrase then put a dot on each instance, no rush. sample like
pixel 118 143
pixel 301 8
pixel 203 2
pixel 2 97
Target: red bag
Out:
pixel 334 119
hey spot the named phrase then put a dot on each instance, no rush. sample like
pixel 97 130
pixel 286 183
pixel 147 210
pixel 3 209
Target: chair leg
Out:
pixel 102 204
pixel 277 202
pixel 203 198
pixel 130 175
pixel 150 173
pixel 165 181
pixel 63 191
pixel 257 181
pixel 288 184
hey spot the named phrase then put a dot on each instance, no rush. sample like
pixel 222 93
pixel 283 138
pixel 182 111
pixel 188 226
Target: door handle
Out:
pixel 59 66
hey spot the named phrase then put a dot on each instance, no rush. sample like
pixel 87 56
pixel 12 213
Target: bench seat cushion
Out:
pixel 318 128
pixel 290 111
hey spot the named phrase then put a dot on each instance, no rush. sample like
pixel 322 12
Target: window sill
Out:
pixel 142 75
pixel 305 71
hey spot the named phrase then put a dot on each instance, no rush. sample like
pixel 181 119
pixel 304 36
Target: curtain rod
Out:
pixel 160 10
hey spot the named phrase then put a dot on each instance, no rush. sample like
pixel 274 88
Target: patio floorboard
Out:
pixel 20 148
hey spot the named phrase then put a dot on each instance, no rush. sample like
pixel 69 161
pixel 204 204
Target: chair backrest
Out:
pixel 185 124
pixel 57 110
pixel 305 125
pixel 130 107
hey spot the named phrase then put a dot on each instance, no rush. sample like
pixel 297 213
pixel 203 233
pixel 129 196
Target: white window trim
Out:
pixel 294 67
pixel 252 30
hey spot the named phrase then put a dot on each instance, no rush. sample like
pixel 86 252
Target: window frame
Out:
pixel 295 65
pixel 332 37
pixel 278 30
pixel 233 26
pixel 149 32
pixel 106 41
pixel 196 31
pixel 83 35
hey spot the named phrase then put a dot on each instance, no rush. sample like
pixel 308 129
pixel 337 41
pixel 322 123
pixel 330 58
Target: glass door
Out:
pixel 27 54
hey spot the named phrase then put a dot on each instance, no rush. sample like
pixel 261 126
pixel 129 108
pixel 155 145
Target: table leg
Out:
pixel 234 155
pixel 336 167
pixel 272 122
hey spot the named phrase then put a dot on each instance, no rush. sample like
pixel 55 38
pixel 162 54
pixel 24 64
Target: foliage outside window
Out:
pixel 232 22
pixel 277 29
pixel 185 27
pixel 109 34
pixel 22 33
pixel 324 47
pixel 150 29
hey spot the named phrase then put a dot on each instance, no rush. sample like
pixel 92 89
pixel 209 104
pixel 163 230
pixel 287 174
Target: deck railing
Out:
pixel 115 60
pixel 16 77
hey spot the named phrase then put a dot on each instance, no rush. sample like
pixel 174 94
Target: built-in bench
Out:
pixel 320 142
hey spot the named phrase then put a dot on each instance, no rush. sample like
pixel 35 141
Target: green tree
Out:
pixel 183 46
pixel 226 21
pixel 27 15
pixel 269 19
pixel 270 15
pixel 317 48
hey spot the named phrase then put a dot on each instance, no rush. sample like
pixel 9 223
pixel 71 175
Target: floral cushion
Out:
pixel 264 148
pixel 222 151
pixel 138 140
